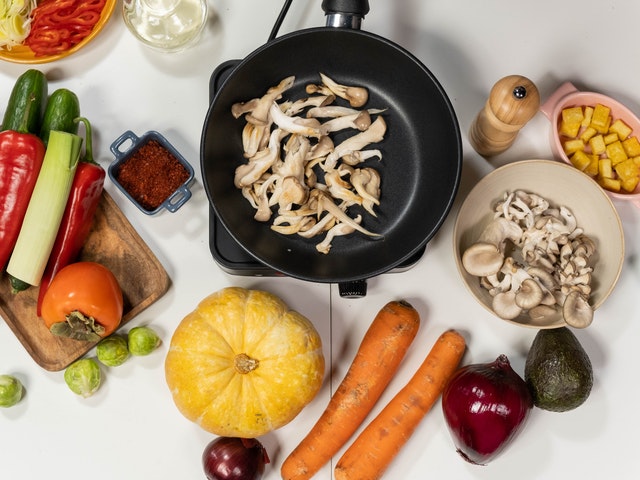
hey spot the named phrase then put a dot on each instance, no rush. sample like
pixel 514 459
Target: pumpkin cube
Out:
pixel 597 144
pixel 616 153
pixel 588 114
pixel 572 146
pixel 587 134
pixel 636 160
pixel 627 169
pixel 631 146
pixel 572 115
pixel 621 128
pixel 610 138
pixel 592 168
pixel 630 184
pixel 605 170
pixel 569 129
pixel 601 118
pixel 611 184
pixel 580 160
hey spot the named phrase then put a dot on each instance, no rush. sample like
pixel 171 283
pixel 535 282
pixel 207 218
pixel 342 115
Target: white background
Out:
pixel 131 430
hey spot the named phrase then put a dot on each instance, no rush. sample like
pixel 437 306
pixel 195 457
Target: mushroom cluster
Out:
pixel 294 167
pixel 532 257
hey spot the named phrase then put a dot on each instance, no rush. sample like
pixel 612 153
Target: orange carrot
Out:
pixel 377 359
pixel 378 444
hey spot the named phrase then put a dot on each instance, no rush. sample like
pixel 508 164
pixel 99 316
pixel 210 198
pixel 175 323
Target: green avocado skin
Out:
pixel 558 371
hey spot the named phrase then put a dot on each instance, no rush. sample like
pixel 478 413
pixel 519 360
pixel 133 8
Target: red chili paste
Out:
pixel 151 174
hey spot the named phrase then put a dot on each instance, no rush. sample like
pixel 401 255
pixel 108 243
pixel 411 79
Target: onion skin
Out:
pixel 230 458
pixel 485 406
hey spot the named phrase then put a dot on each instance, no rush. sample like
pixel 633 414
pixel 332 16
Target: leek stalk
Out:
pixel 46 208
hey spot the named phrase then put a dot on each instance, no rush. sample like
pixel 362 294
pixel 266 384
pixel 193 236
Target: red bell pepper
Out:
pixel 77 220
pixel 21 156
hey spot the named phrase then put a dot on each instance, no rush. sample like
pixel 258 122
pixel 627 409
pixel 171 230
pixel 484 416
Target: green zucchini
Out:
pixel 63 108
pixel 28 96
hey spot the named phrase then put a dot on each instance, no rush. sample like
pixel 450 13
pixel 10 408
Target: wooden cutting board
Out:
pixel 112 242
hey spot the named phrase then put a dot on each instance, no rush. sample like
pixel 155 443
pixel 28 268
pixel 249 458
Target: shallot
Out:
pixel 230 458
pixel 485 406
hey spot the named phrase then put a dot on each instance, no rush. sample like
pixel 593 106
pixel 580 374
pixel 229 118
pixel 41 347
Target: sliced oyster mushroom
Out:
pixel 326 203
pixel 356 96
pixel 373 134
pixel 358 121
pixel 309 127
pixel 316 101
pixel 254 138
pixel 321 149
pixel 259 114
pixel 251 172
pixel 355 158
pixel 306 177
pixel 340 189
pixel 333 111
pixel 366 181
pixel 337 230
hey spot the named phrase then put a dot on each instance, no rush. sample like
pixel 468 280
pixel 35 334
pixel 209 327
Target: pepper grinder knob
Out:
pixel 512 102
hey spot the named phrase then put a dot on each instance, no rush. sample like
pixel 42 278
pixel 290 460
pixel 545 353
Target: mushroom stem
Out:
pixel 356 96
pixel 373 134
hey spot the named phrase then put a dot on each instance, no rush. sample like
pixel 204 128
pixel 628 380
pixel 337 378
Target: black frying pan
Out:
pixel 420 167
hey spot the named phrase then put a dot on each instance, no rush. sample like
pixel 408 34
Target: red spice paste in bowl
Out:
pixel 151 172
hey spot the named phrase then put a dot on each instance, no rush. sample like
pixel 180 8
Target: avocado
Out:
pixel 558 371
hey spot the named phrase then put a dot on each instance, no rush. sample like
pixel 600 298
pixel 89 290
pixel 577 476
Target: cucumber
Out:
pixel 63 108
pixel 29 93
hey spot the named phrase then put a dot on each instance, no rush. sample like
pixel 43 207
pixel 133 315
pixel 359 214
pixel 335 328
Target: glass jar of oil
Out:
pixel 166 25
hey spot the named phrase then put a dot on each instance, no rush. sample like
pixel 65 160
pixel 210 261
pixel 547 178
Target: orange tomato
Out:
pixel 84 301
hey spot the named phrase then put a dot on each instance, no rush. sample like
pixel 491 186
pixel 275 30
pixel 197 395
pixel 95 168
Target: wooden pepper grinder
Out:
pixel 512 102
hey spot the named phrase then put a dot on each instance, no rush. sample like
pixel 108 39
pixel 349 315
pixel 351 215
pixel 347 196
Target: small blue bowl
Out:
pixel 132 143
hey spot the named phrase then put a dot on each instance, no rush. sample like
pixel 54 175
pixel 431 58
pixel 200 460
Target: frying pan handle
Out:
pixel 353 289
pixel 345 13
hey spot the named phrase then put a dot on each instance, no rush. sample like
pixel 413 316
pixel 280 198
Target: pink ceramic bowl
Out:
pixel 569 96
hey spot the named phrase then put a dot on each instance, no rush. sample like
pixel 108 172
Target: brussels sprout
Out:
pixel 113 350
pixel 10 390
pixel 143 341
pixel 83 377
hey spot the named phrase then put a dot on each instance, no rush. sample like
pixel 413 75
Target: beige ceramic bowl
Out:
pixel 562 185
pixel 567 95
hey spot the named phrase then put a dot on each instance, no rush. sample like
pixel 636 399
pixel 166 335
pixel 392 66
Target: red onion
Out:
pixel 485 406
pixel 229 458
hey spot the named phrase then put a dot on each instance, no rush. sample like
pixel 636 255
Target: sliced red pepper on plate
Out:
pixel 77 220
pixel 59 25
pixel 21 156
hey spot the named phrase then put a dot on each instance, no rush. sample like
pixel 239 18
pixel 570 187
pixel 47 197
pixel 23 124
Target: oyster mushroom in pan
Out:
pixel 356 96
pixel 533 257
pixel 296 174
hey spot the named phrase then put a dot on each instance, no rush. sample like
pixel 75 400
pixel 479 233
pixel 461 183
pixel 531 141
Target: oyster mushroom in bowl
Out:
pixel 539 244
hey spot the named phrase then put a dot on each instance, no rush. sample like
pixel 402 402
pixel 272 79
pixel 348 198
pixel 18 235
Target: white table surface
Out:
pixel 131 430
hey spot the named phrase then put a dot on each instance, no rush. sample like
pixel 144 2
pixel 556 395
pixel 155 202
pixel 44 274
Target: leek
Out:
pixel 46 208
pixel 15 21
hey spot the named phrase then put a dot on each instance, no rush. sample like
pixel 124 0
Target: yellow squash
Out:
pixel 243 364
